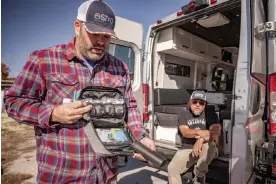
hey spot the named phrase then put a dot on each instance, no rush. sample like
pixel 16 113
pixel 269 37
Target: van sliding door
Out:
pixel 248 108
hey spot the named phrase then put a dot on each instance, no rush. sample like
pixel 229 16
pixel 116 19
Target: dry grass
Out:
pixel 15 178
pixel 13 134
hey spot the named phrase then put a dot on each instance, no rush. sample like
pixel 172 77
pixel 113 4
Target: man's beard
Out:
pixel 86 50
pixel 196 113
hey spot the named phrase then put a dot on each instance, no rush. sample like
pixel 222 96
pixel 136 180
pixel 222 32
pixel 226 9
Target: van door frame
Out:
pixel 240 106
pixel 241 166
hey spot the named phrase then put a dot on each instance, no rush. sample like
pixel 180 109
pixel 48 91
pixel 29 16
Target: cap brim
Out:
pixel 96 29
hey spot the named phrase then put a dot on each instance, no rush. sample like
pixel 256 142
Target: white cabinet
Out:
pixel 199 46
pixel 207 49
pixel 182 40
pixel 214 51
pixel 177 42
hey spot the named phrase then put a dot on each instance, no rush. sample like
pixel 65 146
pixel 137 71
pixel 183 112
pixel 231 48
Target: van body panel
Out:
pixel 272 40
pixel 124 27
pixel 128 48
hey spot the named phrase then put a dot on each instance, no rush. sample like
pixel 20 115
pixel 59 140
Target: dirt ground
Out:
pixel 17 140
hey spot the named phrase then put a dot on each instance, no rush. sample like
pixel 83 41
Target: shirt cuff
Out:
pixel 138 136
pixel 45 113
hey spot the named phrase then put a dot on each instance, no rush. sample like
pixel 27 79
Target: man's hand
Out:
pixel 197 148
pixel 215 130
pixel 205 134
pixel 69 113
pixel 148 143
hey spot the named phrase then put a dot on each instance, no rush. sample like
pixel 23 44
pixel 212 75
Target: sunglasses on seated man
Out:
pixel 200 102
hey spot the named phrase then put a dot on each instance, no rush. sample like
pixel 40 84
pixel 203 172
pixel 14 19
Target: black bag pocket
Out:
pixel 107 123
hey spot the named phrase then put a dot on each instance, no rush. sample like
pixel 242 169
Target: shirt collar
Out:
pixel 71 51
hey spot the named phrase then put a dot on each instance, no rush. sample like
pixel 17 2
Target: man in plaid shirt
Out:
pixel 50 77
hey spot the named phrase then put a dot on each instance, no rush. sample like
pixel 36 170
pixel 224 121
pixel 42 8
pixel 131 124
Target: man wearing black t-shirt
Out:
pixel 199 132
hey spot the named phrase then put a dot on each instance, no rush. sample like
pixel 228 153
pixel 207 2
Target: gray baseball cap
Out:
pixel 198 95
pixel 97 16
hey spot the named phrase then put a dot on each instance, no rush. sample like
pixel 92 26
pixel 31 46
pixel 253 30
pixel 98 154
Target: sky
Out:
pixel 28 25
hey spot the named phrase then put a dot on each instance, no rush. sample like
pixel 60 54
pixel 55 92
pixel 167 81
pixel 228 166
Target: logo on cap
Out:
pixel 200 95
pixel 103 18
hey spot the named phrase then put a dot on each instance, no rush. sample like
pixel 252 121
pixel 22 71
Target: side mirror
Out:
pixel 217 74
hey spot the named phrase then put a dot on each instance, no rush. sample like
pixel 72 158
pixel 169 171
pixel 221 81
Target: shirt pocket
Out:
pixel 62 86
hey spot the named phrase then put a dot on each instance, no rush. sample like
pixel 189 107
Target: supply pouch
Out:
pixel 107 130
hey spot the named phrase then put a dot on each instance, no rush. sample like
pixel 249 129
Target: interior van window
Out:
pixel 124 53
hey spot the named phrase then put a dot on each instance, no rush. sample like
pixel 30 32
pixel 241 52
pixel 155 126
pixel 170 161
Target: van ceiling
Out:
pixel 224 36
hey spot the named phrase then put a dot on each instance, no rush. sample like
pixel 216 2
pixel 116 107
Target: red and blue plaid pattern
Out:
pixel 64 155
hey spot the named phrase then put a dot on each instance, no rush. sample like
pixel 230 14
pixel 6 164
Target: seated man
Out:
pixel 198 143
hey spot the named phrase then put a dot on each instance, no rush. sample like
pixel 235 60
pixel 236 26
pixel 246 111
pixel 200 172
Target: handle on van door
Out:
pixel 185 46
pixel 202 52
pixel 215 57
pixel 226 137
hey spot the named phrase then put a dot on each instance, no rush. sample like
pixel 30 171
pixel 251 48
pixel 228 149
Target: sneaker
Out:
pixel 199 180
pixel 190 181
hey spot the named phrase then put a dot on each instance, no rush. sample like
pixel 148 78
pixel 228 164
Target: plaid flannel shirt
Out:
pixel 64 155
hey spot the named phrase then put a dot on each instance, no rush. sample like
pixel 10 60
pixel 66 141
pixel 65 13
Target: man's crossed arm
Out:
pixel 192 133
pixel 213 132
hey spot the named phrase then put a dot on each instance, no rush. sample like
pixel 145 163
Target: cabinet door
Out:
pixel 199 46
pixel 182 39
pixel 214 52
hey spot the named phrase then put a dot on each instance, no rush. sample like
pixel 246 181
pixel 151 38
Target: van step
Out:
pixel 188 177
pixel 218 172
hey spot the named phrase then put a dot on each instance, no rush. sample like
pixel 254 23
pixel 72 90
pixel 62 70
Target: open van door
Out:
pixel 128 48
pixel 249 92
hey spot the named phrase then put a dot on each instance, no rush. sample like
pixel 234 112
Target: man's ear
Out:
pixel 77 27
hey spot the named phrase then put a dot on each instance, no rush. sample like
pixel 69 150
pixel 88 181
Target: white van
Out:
pixel 228 49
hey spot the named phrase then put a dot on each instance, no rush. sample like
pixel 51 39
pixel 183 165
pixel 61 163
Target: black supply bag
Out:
pixel 107 130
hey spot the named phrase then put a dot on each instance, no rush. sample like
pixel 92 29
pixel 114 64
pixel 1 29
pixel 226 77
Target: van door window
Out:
pixel 125 54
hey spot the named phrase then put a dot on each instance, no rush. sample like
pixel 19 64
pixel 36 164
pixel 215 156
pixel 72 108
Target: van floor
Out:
pixel 218 173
